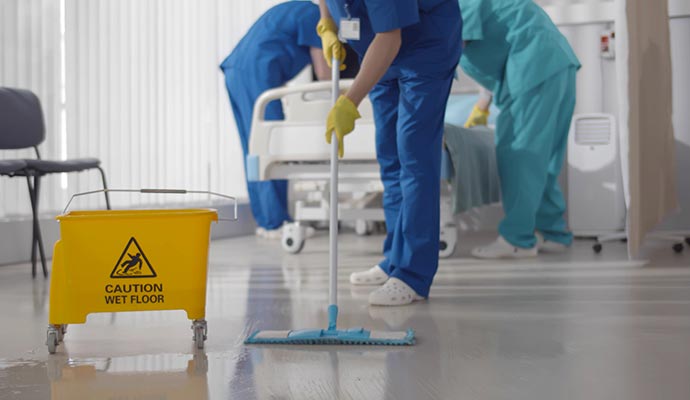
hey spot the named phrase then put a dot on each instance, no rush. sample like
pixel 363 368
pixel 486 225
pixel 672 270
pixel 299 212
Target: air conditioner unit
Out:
pixel 596 202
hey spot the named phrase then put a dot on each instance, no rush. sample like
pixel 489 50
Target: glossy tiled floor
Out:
pixel 574 326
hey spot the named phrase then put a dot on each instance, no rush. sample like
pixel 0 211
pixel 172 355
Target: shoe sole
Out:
pixel 365 283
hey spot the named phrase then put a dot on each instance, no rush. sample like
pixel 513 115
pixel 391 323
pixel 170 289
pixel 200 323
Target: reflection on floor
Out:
pixel 575 326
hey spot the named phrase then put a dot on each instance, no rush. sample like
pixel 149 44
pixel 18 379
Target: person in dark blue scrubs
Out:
pixel 277 47
pixel 409 50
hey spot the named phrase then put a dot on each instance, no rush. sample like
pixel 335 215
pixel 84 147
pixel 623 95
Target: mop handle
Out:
pixel 333 225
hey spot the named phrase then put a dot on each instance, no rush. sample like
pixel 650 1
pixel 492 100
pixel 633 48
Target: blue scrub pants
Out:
pixel 531 140
pixel 268 200
pixel 408 112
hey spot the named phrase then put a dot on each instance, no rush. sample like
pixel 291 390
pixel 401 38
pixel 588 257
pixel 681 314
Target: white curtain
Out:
pixel 30 59
pixel 143 92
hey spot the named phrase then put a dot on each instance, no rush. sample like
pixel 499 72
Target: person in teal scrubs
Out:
pixel 513 49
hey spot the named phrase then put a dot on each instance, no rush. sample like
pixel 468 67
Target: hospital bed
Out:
pixel 295 149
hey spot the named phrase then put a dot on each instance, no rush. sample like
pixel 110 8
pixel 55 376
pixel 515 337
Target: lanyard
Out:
pixel 350 7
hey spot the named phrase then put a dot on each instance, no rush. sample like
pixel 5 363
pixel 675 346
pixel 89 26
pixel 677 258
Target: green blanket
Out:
pixel 473 173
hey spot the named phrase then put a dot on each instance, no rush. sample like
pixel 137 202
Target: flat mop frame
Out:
pixel 332 335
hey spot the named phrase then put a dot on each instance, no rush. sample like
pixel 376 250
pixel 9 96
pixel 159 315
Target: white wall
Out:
pixel 582 22
pixel 596 83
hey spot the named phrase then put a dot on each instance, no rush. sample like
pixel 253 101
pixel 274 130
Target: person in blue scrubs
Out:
pixel 409 51
pixel 280 44
pixel 513 49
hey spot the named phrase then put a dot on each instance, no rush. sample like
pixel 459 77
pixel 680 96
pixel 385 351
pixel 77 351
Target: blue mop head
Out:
pixel 333 336
pixel 356 336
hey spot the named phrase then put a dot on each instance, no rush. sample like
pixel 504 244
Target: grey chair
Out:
pixel 12 167
pixel 22 127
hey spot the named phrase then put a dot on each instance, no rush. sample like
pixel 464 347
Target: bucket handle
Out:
pixel 158 191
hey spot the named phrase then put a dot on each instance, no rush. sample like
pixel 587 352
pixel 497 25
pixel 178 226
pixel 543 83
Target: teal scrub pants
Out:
pixel 531 140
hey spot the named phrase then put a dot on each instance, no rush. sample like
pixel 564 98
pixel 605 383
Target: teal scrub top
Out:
pixel 512 46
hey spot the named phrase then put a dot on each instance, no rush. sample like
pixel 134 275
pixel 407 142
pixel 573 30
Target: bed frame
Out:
pixel 295 149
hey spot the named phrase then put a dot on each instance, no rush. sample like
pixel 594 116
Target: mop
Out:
pixel 332 335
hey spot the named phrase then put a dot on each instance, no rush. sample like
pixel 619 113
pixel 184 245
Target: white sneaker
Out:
pixel 269 234
pixel 273 234
pixel 393 293
pixel 547 246
pixel 373 276
pixel 502 249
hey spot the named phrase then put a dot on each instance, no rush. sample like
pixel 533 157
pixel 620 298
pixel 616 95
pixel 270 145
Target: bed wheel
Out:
pixel 678 248
pixel 597 247
pixel 363 227
pixel 294 236
pixel 448 241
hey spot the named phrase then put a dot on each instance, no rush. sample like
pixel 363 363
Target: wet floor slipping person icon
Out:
pixel 134 261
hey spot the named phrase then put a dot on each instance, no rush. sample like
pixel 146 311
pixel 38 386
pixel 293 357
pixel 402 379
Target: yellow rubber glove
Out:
pixel 341 119
pixel 477 117
pixel 328 32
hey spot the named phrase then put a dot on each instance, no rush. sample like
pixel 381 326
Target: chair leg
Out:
pixel 36 237
pixel 39 235
pixel 32 198
pixel 105 187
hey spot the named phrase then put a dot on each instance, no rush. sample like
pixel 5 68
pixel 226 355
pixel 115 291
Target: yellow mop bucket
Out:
pixel 130 260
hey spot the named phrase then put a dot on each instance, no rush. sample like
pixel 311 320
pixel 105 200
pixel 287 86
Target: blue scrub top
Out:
pixel 278 43
pixel 512 46
pixel 425 25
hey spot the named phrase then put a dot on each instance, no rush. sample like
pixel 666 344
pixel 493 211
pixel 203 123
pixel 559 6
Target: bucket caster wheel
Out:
pixel 678 248
pixel 293 238
pixel 200 330
pixel 448 241
pixel 61 332
pixel 597 247
pixel 52 339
